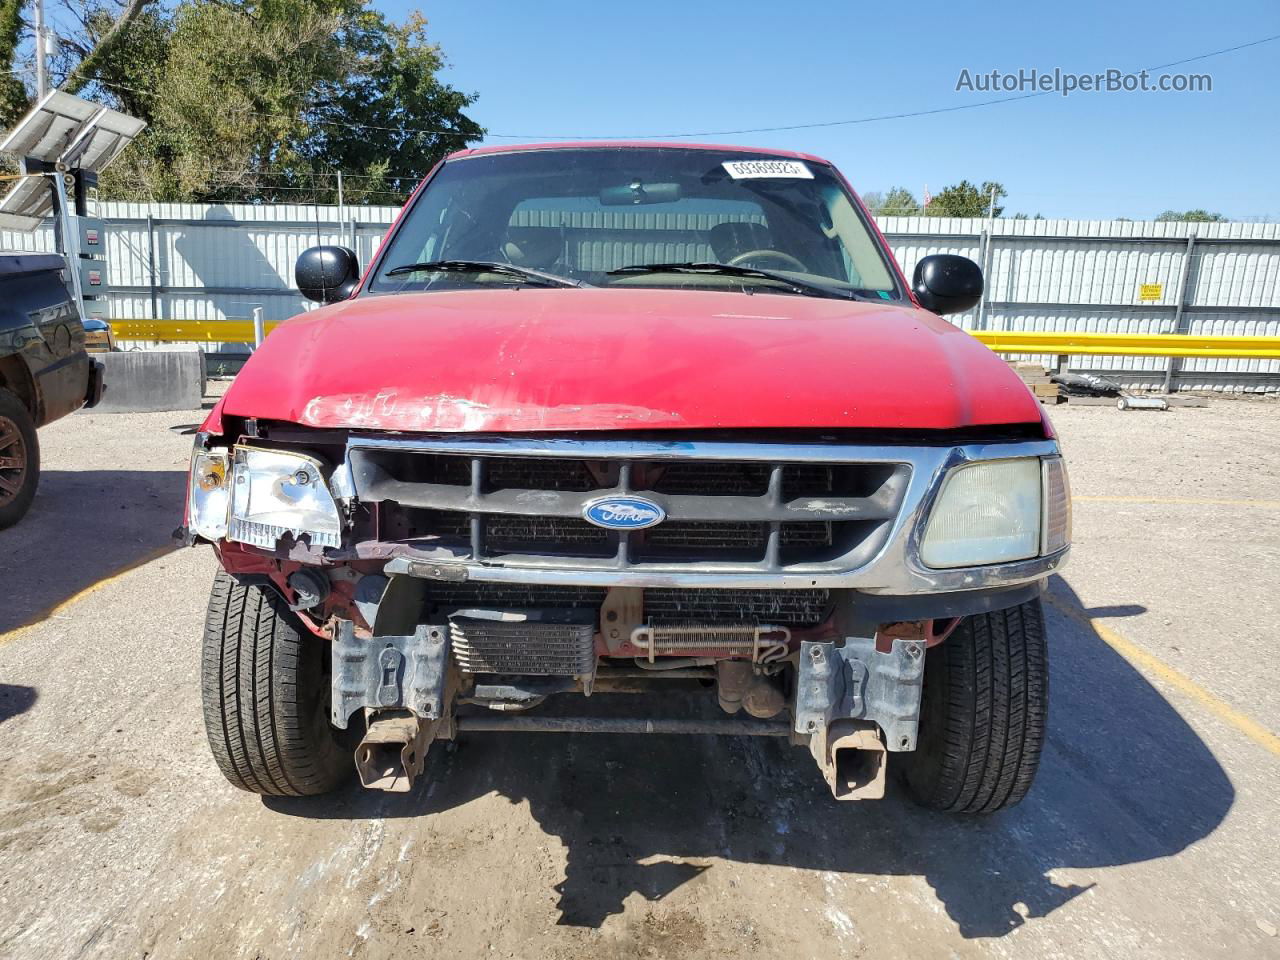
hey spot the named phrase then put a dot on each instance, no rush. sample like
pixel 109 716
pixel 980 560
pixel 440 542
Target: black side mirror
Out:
pixel 327 274
pixel 945 283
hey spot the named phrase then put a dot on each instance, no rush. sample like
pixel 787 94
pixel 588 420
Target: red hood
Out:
pixel 588 359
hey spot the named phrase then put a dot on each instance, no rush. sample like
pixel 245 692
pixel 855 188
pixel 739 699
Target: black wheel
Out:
pixel 265 685
pixel 19 459
pixel 983 715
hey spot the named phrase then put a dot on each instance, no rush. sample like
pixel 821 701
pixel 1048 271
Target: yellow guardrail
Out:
pixel 1001 341
pixel 186 331
pixel 1129 344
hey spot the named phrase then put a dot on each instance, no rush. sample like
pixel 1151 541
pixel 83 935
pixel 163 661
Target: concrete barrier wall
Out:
pixel 143 381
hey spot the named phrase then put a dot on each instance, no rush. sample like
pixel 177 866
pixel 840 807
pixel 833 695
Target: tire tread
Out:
pixel 261 736
pixel 991 689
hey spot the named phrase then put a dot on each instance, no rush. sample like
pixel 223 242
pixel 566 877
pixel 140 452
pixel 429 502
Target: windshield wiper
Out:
pixel 729 270
pixel 485 266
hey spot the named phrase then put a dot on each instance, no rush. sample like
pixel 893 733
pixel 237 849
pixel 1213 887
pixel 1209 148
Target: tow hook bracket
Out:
pixel 390 673
pixel 393 751
pixel 856 682
pixel 852 757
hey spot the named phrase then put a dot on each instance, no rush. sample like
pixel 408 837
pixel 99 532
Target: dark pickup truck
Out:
pixel 44 370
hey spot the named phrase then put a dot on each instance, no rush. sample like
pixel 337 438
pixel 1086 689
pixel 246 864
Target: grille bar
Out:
pixel 373 487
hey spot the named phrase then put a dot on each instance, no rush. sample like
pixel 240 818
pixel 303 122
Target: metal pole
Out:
pixel 341 211
pixel 42 73
pixel 70 239
pixel 1174 364
pixel 151 267
pixel 984 243
pixel 259 328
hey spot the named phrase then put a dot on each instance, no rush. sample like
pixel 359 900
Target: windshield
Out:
pixel 636 217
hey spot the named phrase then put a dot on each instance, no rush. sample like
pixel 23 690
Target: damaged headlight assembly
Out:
pixel 257 496
pixel 999 511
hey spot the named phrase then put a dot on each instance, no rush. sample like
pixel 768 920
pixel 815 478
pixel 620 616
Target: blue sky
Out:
pixel 554 67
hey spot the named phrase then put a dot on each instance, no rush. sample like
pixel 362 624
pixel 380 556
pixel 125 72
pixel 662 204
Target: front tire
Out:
pixel 983 714
pixel 265 686
pixel 19 459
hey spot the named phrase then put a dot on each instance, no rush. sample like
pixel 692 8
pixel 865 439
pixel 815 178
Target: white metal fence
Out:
pixel 214 261
pixel 1090 276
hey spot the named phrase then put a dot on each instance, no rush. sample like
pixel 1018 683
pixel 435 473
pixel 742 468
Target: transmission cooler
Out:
pixel 555 643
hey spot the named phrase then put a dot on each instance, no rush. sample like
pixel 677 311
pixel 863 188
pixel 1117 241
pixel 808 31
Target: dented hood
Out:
pixel 624 358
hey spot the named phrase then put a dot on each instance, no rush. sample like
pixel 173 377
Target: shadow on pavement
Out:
pixel 1124 779
pixel 84 526
pixel 15 699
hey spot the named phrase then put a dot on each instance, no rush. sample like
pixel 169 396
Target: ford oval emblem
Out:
pixel 623 513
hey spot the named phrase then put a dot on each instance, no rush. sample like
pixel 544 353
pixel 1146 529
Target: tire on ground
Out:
pixel 17 431
pixel 265 686
pixel 983 714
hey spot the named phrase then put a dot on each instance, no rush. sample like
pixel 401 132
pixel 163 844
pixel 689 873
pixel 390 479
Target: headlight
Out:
pixel 275 493
pixel 207 500
pixel 257 496
pixel 986 513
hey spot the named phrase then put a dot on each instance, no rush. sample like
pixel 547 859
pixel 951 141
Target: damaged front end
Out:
pixel 462 582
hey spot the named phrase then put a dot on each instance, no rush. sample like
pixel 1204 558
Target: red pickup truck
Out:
pixel 663 420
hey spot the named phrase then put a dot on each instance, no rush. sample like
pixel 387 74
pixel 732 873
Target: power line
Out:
pixel 1215 53
pixel 900 116
pixel 718 133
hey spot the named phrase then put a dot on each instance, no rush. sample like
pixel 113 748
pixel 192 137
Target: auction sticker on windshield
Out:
pixel 767 169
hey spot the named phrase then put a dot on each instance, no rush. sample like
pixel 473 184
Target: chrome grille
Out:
pixel 748 514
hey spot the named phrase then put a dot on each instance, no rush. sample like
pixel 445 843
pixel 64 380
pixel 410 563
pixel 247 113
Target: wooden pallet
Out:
pixel 1037 379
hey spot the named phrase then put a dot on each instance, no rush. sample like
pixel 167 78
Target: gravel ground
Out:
pixel 1151 830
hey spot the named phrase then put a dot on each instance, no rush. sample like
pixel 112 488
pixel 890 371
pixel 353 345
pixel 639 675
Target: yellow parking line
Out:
pixel 79 595
pixel 1193 501
pixel 1148 662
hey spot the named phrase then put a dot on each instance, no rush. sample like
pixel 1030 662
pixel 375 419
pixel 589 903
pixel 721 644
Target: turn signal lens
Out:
pixel 207 500
pixel 1057 507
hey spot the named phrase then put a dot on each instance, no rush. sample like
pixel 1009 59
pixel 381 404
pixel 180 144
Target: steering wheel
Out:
pixel 786 260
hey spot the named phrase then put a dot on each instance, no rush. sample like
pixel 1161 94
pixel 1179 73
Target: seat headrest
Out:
pixel 537 247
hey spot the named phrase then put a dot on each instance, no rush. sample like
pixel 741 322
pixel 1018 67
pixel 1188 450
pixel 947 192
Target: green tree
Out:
pixel 1192 216
pixel 13 93
pixel 102 25
pixel 900 202
pixel 262 100
pixel 965 200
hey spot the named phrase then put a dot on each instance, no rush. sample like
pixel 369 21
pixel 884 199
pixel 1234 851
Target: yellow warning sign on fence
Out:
pixel 1151 291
